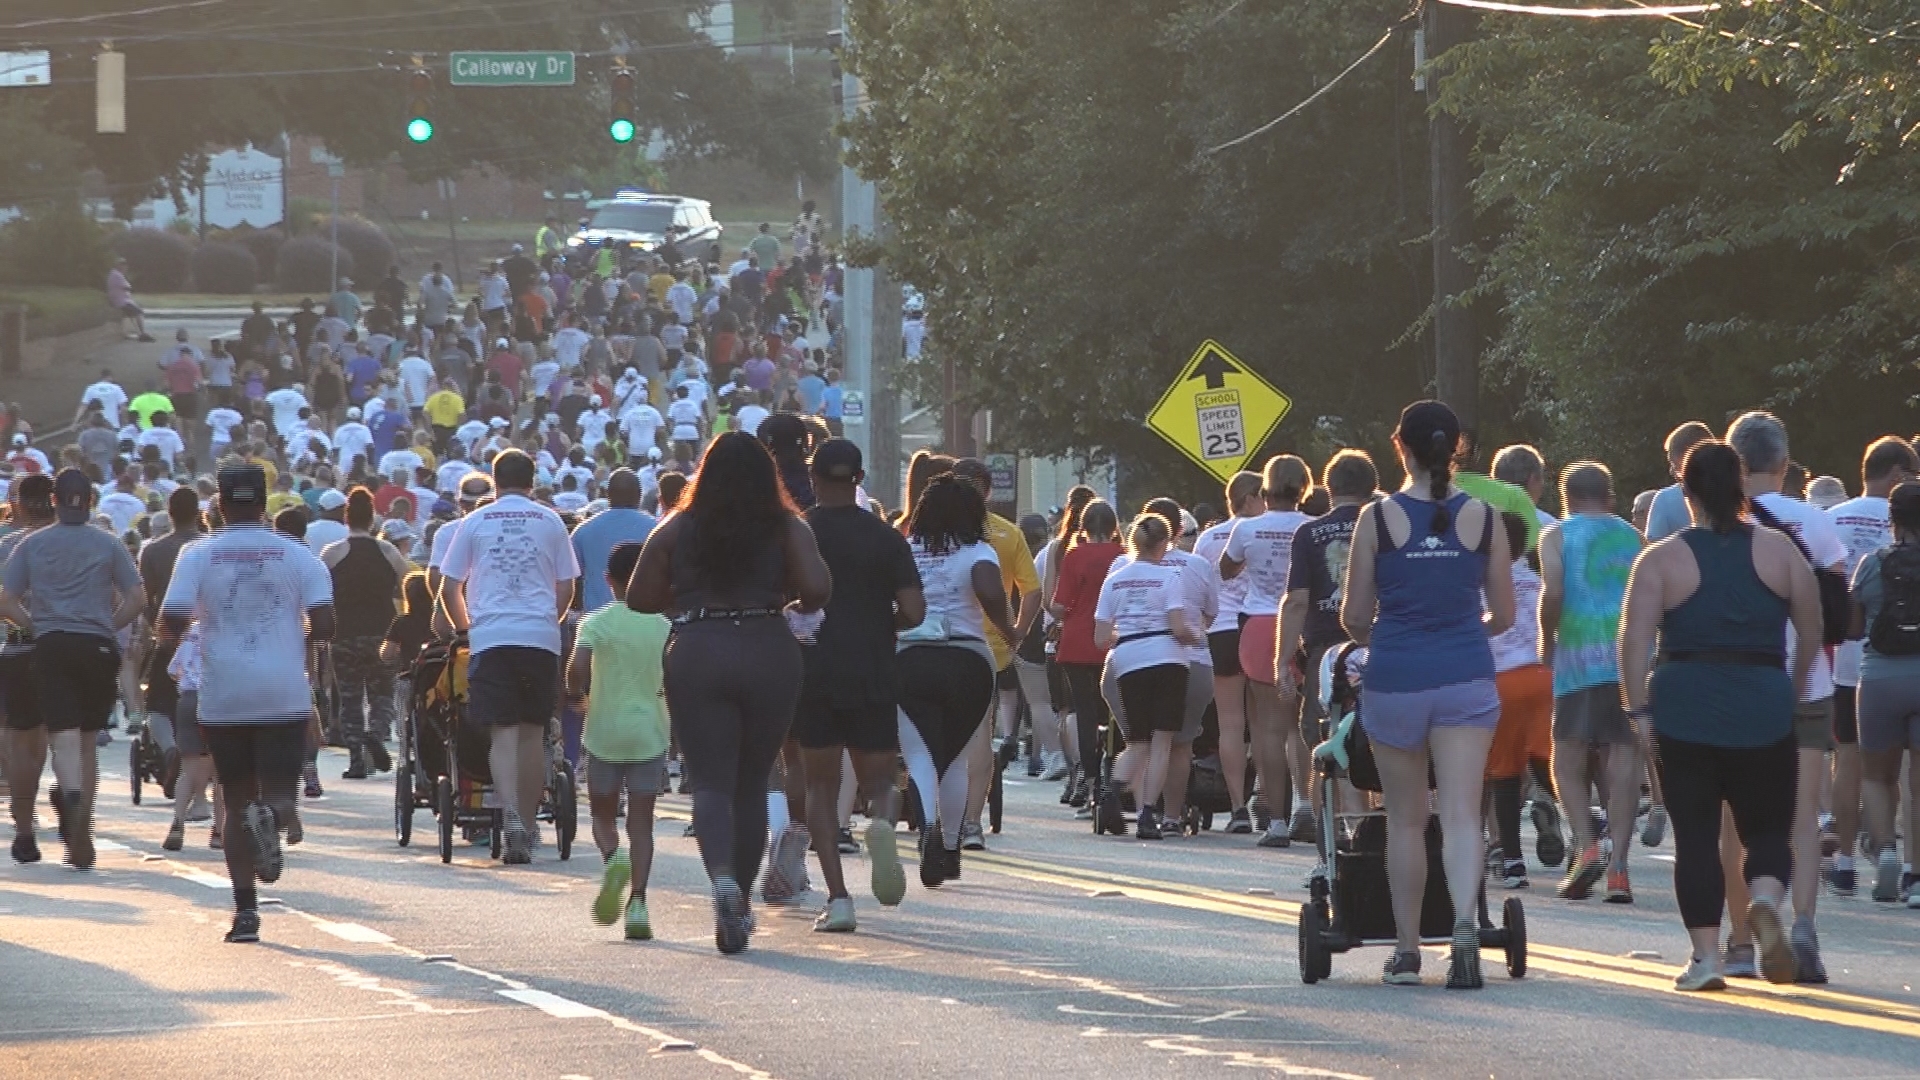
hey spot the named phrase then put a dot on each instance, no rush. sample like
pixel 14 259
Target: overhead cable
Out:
pixel 1660 11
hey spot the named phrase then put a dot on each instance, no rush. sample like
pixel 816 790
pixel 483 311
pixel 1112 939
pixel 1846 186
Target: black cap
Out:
pixel 972 469
pixel 1425 423
pixel 243 485
pixel 73 497
pixel 837 459
pixel 34 489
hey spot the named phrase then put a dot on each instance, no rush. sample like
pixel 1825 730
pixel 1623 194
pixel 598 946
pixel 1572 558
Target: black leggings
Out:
pixel 731 690
pixel 1758 784
pixel 255 763
pixel 1089 712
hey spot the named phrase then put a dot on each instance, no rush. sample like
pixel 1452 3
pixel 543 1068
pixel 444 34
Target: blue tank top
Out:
pixel 1732 705
pixel 1429 631
pixel 1596 557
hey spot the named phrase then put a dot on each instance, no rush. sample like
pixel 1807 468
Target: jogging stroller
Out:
pixel 152 756
pixel 1352 908
pixel 442 762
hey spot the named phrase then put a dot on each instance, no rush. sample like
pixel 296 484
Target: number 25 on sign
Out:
pixel 1218 411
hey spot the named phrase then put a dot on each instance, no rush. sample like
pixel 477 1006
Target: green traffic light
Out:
pixel 622 130
pixel 419 129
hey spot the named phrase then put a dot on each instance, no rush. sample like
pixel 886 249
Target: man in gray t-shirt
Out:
pixel 75 587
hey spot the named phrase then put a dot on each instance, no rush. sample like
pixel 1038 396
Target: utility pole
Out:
pixel 870 336
pixel 883 397
pixel 1456 342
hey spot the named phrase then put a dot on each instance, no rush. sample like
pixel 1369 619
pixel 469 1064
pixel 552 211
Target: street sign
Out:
pixel 510 69
pixel 1218 412
pixel 1004 471
pixel 853 409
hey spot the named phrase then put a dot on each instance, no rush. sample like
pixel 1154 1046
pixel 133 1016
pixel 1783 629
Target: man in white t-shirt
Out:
pixel 1761 441
pixel 451 472
pixel 353 439
pixel 107 394
pixel 259 598
pixel 568 343
pixel 1223 641
pixel 1864 526
pixel 469 433
pixel 641 423
pixel 400 458
pixel 416 382
pixel 747 417
pixel 593 424
pixel 121 505
pixel 686 417
pixel 286 403
pixel 220 424
pixel 162 435
pixel 509 577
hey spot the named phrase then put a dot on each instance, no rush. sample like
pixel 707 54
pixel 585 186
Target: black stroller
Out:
pixel 442 762
pixel 1352 907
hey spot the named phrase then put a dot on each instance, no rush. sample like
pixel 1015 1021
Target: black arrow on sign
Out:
pixel 1215 369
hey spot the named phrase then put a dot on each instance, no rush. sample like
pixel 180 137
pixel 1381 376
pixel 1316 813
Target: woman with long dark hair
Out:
pixel 724 567
pixel 1083 569
pixel 944 666
pixel 921 469
pixel 789 440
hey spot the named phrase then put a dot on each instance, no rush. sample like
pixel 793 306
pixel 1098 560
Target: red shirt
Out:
pixel 383 498
pixel 509 366
pixel 183 374
pixel 1082 572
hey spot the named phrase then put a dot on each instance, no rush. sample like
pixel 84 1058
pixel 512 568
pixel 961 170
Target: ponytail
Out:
pixel 1437 458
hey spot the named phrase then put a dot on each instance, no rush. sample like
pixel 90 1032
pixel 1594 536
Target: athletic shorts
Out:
pixel 186 406
pixel 1592 716
pixel 1403 720
pixel 1813 724
pixel 1256 647
pixel 1846 719
pixel 79 680
pixel 18 690
pixel 820 725
pixel 1225 647
pixel 512 684
pixel 640 779
pixel 1525 731
pixel 1199 696
pixel 1006 678
pixel 1889 714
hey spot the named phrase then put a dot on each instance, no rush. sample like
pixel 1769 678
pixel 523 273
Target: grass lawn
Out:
pixel 57 309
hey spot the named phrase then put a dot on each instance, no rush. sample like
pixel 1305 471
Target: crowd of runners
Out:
pixel 610 477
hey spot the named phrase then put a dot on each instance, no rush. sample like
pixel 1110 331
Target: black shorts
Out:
pixel 1006 679
pixel 819 724
pixel 1225 647
pixel 1846 717
pixel 186 406
pixel 512 684
pixel 18 690
pixel 79 680
pixel 1155 700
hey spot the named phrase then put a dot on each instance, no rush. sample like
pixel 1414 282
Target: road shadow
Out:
pixel 26 905
pixel 50 998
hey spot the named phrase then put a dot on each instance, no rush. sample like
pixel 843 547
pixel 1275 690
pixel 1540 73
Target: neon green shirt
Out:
pixel 626 704
pixel 1504 497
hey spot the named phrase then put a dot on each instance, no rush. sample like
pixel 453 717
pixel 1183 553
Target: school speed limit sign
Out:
pixel 1218 411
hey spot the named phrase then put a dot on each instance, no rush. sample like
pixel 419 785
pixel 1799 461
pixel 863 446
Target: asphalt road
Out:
pixel 1057 954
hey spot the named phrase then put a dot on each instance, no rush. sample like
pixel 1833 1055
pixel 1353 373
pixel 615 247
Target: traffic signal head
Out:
pixel 620 123
pixel 419 105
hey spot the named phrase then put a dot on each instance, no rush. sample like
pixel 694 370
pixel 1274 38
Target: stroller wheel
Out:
pixel 443 809
pixel 996 799
pixel 1316 959
pixel 566 810
pixel 1513 919
pixel 133 769
pixel 403 804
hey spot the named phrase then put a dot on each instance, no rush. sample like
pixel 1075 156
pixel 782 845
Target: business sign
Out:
pixel 244 188
pixel 510 69
pixel 1004 470
pixel 1218 412
pixel 853 408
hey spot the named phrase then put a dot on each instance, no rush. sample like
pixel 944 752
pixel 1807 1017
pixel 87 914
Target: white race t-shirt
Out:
pixel 593 428
pixel 442 540
pixel 167 439
pixel 511 555
pixel 1864 528
pixel 1208 546
pixel 685 415
pixel 324 531
pixel 568 342
pixel 352 439
pixel 1199 584
pixel 450 473
pixel 642 423
pixel 416 380
pixel 1519 645
pixel 947 581
pixel 111 398
pixel 394 460
pixel 221 422
pixel 1264 545
pixel 287 403
pixel 569 500
pixel 465 434
pixel 122 508
pixel 750 418
pixel 1136 598
pixel 251 589
pixel 1815 530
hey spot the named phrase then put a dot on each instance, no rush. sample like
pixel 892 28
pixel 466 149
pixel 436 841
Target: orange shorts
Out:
pixel 1526 721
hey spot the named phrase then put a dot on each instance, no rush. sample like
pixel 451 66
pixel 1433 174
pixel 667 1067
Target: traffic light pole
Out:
pixel 870 334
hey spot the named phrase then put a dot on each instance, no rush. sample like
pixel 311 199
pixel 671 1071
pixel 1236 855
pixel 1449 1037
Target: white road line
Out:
pixel 201 877
pixel 553 1004
pixel 347 931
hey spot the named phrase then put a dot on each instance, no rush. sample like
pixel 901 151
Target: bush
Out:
pixel 265 246
pixel 56 244
pixel 304 265
pixel 372 251
pixel 224 267
pixel 157 262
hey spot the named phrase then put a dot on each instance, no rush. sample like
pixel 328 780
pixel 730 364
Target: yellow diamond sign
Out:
pixel 1218 412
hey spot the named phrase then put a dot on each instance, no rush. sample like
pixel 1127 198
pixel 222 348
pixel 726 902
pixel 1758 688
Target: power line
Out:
pixel 108 16
pixel 1313 97
pixel 1658 12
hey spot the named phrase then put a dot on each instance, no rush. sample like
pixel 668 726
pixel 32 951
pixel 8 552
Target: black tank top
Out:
pixel 364 584
pixel 763 584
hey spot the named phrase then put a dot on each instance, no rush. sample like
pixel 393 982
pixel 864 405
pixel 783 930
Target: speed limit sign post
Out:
pixel 1218 412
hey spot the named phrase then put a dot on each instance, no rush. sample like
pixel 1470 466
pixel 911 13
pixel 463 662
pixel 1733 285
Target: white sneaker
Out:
pixel 1701 974
pixel 1056 766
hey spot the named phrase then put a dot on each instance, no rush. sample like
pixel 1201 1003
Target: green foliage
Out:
pixel 54 243
pixel 371 250
pixel 305 264
pixel 39 168
pixel 157 260
pixel 221 266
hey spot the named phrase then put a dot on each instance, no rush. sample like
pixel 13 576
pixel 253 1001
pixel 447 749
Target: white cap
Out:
pixel 594 401
pixel 19 440
pixel 331 499
pixel 497 422
pixel 501 343
pixel 353 412
pixel 653 453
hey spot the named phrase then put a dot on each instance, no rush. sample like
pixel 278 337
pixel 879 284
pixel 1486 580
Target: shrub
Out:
pixel 263 243
pixel 372 251
pixel 304 265
pixel 224 267
pixel 157 261
pixel 54 244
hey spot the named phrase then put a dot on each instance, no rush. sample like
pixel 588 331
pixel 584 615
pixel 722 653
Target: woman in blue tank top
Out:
pixel 1421 560
pixel 1719 595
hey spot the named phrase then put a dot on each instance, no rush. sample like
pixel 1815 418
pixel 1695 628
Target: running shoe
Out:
pixel 1463 971
pixel 932 857
pixel 1082 793
pixel 1701 974
pixel 1739 962
pixel 1514 876
pixel 295 831
pixel 176 836
pixel 1113 821
pixel 77 830
pixel 731 923
pixel 972 837
pixel 257 821
pixel 787 870
pixel 1238 823
pixel 889 879
pixel 1842 880
pixel 1886 877
pixel 1257 809
pixel 25 848
pixel 378 760
pixel 516 847
pixel 1805 942
pixel 1548 844
pixel 356 766
pixel 1275 835
pixel 639 927
pixel 949 862
pixel 59 812
pixel 845 842
pixel 614 878
pixel 1147 825
pixel 1055 766
pixel 311 774
pixel 1911 885
pixel 246 927
pixel 1655 830
pixel 213 840
pixel 1618 889
pixel 1403 969
pixel 838 918
pixel 1770 938
pixel 1582 874
pixel 1301 829
pixel 1072 785
pixel 199 809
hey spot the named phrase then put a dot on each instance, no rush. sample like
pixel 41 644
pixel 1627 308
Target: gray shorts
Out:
pixel 1592 716
pixel 1813 725
pixel 1199 696
pixel 637 778
pixel 186 725
pixel 1890 714
pixel 1403 720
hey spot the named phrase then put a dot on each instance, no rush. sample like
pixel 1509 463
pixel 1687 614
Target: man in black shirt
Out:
pixel 850 700
pixel 255 330
pixel 391 293
pixel 520 272
pixel 303 322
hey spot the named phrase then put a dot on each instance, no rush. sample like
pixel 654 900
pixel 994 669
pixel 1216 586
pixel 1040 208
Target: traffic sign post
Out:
pixel 510 69
pixel 1218 412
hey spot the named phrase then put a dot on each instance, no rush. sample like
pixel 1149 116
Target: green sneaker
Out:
pixel 613 885
pixel 889 880
pixel 638 928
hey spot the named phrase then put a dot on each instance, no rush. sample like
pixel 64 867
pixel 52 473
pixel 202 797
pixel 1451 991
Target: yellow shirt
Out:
pixel 1017 575
pixel 281 500
pixel 273 474
pixel 658 285
pixel 426 455
pixel 445 408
